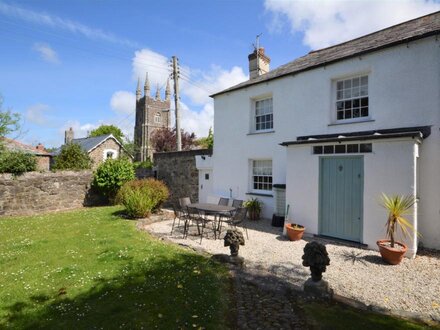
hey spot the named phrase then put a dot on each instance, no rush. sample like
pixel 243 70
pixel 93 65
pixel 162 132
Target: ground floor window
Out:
pixel 261 175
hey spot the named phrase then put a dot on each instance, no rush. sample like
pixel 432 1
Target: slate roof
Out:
pixel 90 143
pixel 418 28
pixel 380 134
pixel 14 145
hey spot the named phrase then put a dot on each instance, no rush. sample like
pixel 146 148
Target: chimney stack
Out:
pixel 40 147
pixel 68 136
pixel 258 63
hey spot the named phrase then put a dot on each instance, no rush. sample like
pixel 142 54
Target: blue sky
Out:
pixel 76 63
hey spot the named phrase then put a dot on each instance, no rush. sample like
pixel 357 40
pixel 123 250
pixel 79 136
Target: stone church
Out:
pixel 152 113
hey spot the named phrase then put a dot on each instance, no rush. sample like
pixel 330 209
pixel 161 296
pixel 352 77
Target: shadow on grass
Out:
pixel 184 291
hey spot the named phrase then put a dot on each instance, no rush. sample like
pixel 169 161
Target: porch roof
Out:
pixel 415 132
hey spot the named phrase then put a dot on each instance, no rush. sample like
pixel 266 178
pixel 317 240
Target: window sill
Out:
pixel 369 120
pixel 262 132
pixel 260 194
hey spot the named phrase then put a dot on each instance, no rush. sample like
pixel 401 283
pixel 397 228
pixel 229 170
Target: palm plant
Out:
pixel 398 206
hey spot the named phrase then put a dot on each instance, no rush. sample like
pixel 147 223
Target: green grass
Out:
pixel 333 316
pixel 92 269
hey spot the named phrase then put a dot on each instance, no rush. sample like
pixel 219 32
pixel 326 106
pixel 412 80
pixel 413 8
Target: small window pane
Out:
pixel 364 112
pixel 317 150
pixel 339 85
pixel 356 82
pixel 347 83
pixel 340 115
pixel 366 147
pixel 340 149
pixel 347 114
pixel 352 148
pixel 364 80
pixel 328 149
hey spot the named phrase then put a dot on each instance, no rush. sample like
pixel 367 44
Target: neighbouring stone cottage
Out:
pixel 42 156
pixel 99 148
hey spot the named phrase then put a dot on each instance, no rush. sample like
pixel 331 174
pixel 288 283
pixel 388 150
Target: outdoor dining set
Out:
pixel 209 216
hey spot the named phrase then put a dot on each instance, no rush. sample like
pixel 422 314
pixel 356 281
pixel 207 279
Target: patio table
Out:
pixel 212 209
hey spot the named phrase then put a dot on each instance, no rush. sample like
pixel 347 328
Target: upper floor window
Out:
pixel 262 175
pixel 157 118
pixel 109 154
pixel 263 115
pixel 352 98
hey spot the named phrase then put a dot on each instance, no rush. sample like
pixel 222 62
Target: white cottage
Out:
pixel 339 126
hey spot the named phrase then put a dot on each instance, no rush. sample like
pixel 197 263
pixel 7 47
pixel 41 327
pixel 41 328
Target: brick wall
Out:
pixel 43 163
pixel 178 170
pixel 33 192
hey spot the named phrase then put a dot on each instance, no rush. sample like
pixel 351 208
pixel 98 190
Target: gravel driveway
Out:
pixel 356 273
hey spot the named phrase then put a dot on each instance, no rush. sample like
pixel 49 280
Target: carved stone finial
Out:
pixel 168 90
pixel 234 238
pixel 316 257
pixel 138 90
pixel 147 85
pixel 157 92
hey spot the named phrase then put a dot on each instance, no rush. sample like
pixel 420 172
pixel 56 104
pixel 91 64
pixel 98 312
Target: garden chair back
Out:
pixel 223 201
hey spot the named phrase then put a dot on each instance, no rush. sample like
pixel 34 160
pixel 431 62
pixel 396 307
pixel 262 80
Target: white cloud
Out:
pixel 157 66
pixel 202 85
pixel 325 23
pixel 37 114
pixel 123 102
pixel 46 53
pixel 62 24
pixel 79 130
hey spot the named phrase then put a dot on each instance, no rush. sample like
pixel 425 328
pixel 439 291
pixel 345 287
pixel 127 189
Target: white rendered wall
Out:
pixel 404 91
pixel 388 169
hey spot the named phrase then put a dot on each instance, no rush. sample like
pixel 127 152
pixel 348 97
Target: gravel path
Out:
pixel 356 273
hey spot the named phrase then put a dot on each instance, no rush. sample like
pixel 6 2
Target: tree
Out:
pixel 9 122
pixel 109 129
pixel 164 139
pixel 112 174
pixel 72 157
pixel 206 142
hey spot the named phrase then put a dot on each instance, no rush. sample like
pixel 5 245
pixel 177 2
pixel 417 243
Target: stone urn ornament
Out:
pixel 234 238
pixel 316 257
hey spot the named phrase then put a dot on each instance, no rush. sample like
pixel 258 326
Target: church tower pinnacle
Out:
pixel 138 90
pixel 147 85
pixel 168 91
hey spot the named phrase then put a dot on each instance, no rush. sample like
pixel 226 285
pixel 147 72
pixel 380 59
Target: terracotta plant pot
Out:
pixel 393 256
pixel 294 232
pixel 254 215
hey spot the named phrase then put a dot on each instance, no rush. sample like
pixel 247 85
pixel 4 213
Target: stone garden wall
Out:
pixel 34 192
pixel 178 171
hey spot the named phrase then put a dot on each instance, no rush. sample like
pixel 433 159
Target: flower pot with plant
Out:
pixel 254 206
pixel 294 231
pixel 398 207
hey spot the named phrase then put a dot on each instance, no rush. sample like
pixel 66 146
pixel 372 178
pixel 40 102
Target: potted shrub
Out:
pixel 398 207
pixel 294 231
pixel 254 206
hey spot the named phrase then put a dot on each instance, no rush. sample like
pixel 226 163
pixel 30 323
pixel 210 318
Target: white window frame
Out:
pixel 259 168
pixel 349 99
pixel 255 103
pixel 106 151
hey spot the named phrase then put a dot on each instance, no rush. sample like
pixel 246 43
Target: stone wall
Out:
pixel 98 154
pixel 34 192
pixel 178 170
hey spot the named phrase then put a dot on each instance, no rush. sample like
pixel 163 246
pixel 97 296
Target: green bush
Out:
pixel 142 197
pixel 17 162
pixel 145 164
pixel 72 157
pixel 112 174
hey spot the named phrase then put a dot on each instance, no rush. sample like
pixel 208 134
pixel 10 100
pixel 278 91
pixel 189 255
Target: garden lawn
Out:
pixel 91 269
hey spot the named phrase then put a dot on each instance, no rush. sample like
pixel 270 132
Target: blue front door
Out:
pixel 341 197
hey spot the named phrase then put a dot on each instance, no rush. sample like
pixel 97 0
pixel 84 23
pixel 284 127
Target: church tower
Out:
pixel 152 113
